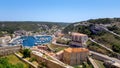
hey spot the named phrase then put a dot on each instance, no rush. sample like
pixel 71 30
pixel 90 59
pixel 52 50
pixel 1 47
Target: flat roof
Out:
pixel 76 50
pixel 80 34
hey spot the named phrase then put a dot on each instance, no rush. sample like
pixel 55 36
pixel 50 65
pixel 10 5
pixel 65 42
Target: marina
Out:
pixel 29 41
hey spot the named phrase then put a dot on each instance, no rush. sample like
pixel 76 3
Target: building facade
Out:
pixel 79 39
pixel 75 56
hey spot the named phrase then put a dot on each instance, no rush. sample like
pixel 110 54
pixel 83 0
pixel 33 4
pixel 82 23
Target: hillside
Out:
pixel 105 21
pixel 11 26
pixel 94 29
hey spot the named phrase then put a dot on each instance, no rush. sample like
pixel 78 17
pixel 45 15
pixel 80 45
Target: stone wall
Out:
pixel 9 50
pixel 99 57
pixel 49 62
pixel 26 61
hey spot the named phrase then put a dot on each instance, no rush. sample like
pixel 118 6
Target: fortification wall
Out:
pixel 9 50
pixel 49 62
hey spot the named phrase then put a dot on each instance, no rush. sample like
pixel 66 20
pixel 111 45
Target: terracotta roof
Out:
pixel 79 34
pixel 60 34
pixel 75 50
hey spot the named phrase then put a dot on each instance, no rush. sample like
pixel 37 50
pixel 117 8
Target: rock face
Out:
pixel 95 29
pixel 4 40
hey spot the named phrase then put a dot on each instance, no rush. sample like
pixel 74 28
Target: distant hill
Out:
pixel 29 25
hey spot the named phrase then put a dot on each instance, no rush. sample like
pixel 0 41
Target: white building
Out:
pixel 4 40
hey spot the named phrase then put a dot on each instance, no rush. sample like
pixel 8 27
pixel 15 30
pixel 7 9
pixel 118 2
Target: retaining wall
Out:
pixel 9 50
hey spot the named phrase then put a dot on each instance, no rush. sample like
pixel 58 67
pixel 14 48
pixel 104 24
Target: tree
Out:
pixel 116 48
pixel 26 53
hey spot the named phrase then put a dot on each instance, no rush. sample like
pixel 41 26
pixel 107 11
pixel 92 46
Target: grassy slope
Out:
pixel 99 63
pixel 94 47
pixel 107 39
pixel 57 48
pixel 14 60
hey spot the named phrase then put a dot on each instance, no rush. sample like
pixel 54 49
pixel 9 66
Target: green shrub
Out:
pixel 32 59
pixel 26 53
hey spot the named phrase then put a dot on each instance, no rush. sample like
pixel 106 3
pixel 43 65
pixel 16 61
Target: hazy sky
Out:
pixel 57 10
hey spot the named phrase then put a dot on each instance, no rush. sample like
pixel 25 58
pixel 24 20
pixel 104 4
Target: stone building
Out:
pixel 79 39
pixel 75 56
pixel 9 50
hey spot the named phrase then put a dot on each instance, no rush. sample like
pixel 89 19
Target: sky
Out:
pixel 58 10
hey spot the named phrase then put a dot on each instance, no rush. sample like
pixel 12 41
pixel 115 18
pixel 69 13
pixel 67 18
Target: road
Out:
pixel 110 31
pixel 93 62
pixel 105 56
pixel 101 45
pixel 54 42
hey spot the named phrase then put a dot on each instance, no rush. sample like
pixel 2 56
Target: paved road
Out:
pixel 93 62
pixel 54 42
pixel 105 56
pixel 110 31
pixel 100 44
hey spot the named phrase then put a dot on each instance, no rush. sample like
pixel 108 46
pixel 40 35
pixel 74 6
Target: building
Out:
pixel 59 34
pixel 79 39
pixel 4 40
pixel 75 56
pixel 42 47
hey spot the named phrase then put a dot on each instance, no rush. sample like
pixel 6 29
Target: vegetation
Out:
pixel 10 26
pixel 114 28
pixel 84 65
pixel 42 65
pixel 74 28
pixel 26 53
pixel 57 48
pixel 92 29
pixel 32 59
pixel 97 48
pixel 99 63
pixel 116 47
pixel 102 20
pixel 62 41
pixel 110 41
pixel 7 62
pixel 84 29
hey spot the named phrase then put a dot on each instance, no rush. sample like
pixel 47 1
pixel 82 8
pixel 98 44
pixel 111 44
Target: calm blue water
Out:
pixel 29 41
